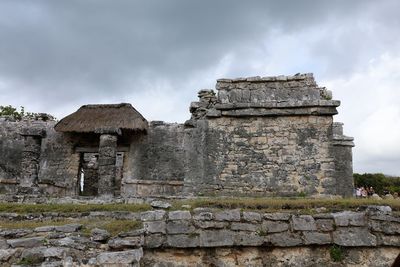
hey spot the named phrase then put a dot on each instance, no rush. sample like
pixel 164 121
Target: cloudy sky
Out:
pixel 156 54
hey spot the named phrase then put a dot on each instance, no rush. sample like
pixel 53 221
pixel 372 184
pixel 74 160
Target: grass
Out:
pixel 245 203
pixel 277 204
pixel 336 253
pixel 33 224
pixel 70 208
pixel 113 226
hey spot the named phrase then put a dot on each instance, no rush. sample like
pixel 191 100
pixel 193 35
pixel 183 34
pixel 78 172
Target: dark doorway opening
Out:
pixel 88 176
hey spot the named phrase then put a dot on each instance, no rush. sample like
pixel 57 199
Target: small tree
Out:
pixel 12 112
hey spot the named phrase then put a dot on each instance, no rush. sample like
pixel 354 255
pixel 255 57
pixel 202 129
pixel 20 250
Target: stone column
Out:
pixel 30 159
pixel 107 156
pixel 342 153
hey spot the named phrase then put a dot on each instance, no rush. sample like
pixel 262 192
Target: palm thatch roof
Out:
pixel 103 118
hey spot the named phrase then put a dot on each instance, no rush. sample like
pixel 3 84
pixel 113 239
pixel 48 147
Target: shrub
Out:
pixel 378 181
pixel 336 253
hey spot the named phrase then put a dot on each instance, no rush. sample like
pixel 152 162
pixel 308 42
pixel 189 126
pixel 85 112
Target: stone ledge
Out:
pixel 260 112
pixel 258 79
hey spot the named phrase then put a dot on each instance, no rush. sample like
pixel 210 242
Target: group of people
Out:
pixel 364 191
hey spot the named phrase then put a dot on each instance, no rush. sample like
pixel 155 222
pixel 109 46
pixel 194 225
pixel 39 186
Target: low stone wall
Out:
pixel 205 237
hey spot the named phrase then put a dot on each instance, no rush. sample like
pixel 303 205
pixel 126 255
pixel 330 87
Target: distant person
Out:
pixel 358 192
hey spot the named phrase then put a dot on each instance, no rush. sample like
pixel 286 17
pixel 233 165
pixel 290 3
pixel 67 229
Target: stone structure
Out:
pixel 206 237
pixel 257 136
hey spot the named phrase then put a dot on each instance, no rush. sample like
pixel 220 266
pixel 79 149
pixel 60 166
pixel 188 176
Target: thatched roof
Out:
pixel 103 118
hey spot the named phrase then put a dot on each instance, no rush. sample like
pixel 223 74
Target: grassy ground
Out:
pixel 277 204
pixel 299 205
pixel 114 227
pixel 70 208
pixel 265 204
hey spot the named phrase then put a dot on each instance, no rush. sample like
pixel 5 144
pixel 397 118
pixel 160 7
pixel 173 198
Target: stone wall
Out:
pixel 264 136
pixel 205 237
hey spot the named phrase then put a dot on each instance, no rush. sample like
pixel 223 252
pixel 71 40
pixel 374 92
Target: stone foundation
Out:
pixel 206 237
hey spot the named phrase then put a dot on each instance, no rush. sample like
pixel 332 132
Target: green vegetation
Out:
pixel 70 208
pixel 31 261
pixel 33 224
pixel 336 253
pixel 378 181
pixel 265 204
pixel 20 114
pixel 12 111
pixel 276 204
pixel 113 226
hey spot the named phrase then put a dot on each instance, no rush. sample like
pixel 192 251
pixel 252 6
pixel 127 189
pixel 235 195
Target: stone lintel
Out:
pixel 342 140
pixel 279 104
pixel 250 112
pixel 151 182
pixel 258 79
pixel 33 131
pixel 109 130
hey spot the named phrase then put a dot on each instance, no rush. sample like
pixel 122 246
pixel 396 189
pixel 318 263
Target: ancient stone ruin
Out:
pixel 269 136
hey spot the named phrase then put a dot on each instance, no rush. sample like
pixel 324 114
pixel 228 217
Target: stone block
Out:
pixel 316 238
pixel 183 241
pixel 351 218
pixel 210 224
pixel 157 204
pixel 30 242
pixel 76 242
pixel 68 228
pixel 179 215
pixel 250 216
pixel 15 233
pixel 354 237
pixel 127 242
pixel 154 240
pixel 378 210
pixel 135 232
pixel 386 227
pixel 203 216
pixel 389 240
pixel 274 226
pixel 324 225
pixel 284 239
pixel 99 235
pixel 228 215
pixel 152 215
pixel 155 227
pixel 180 227
pixel 248 239
pixel 216 238
pixel 3 244
pixel 236 226
pixel 44 229
pixel 6 254
pixel 277 216
pixel 121 258
pixel 303 223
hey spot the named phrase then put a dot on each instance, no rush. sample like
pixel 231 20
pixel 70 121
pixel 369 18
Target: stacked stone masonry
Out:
pixel 206 237
pixel 257 136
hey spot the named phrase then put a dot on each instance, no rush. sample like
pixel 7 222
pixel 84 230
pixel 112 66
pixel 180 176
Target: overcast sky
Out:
pixel 58 55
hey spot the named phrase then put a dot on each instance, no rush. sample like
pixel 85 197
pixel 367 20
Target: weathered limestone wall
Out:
pixel 273 155
pixel 269 136
pixel 156 162
pixel 272 136
pixel 206 237
pixel 58 164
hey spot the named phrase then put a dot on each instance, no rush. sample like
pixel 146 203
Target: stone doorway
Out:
pixel 88 177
